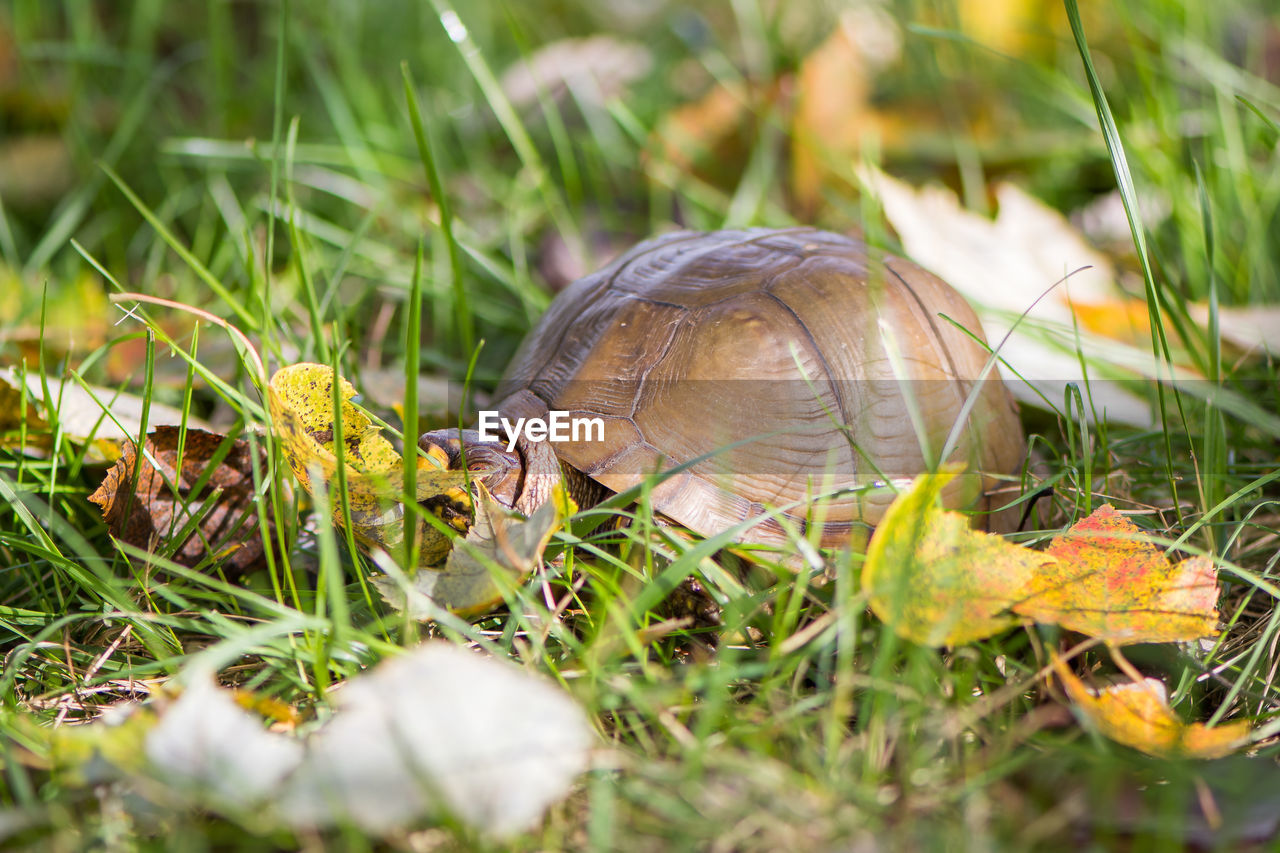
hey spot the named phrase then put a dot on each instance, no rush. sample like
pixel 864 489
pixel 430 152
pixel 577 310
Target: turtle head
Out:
pixel 500 470
pixel 522 478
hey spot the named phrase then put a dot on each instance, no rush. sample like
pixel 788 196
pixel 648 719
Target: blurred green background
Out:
pixel 639 116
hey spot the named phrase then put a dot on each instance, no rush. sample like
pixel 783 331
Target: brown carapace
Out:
pixel 792 377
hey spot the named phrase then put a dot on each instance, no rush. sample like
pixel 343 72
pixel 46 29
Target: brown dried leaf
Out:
pixel 165 498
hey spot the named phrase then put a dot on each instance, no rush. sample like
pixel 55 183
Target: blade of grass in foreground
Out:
pixel 412 339
pixel 277 121
pixel 1212 465
pixel 1156 308
pixel 1266 119
pixel 463 319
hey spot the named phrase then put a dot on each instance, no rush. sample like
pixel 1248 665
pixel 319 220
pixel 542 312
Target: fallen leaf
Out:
pixel 1253 328
pixel 593 70
pixel 499 550
pixel 300 398
pixel 212 750
pixel 437 731
pixel 1003 263
pixel 1107 582
pixel 441 730
pixel 150 500
pixel 283 716
pixel 1002 267
pixel 103 418
pixel 1105 222
pixel 1137 714
pixel 934 579
pixel 1121 319
pixel 465 576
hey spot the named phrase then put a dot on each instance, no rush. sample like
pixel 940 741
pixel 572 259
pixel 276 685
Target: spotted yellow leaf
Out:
pixel 1109 582
pixel 937 581
pixel 301 402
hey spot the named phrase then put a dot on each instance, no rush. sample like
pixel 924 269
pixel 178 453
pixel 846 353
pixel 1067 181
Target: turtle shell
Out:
pixel 784 369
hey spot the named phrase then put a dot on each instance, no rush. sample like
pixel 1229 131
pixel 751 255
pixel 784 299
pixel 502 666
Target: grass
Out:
pixel 278 166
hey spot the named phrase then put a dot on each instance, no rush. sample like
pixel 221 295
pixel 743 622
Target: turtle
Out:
pixel 773 382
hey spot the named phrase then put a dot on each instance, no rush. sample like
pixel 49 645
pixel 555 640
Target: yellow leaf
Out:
pixel 1107 582
pixel 1006 26
pixel 284 717
pixel 934 579
pixel 1137 714
pixel 301 403
pixel 1121 319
